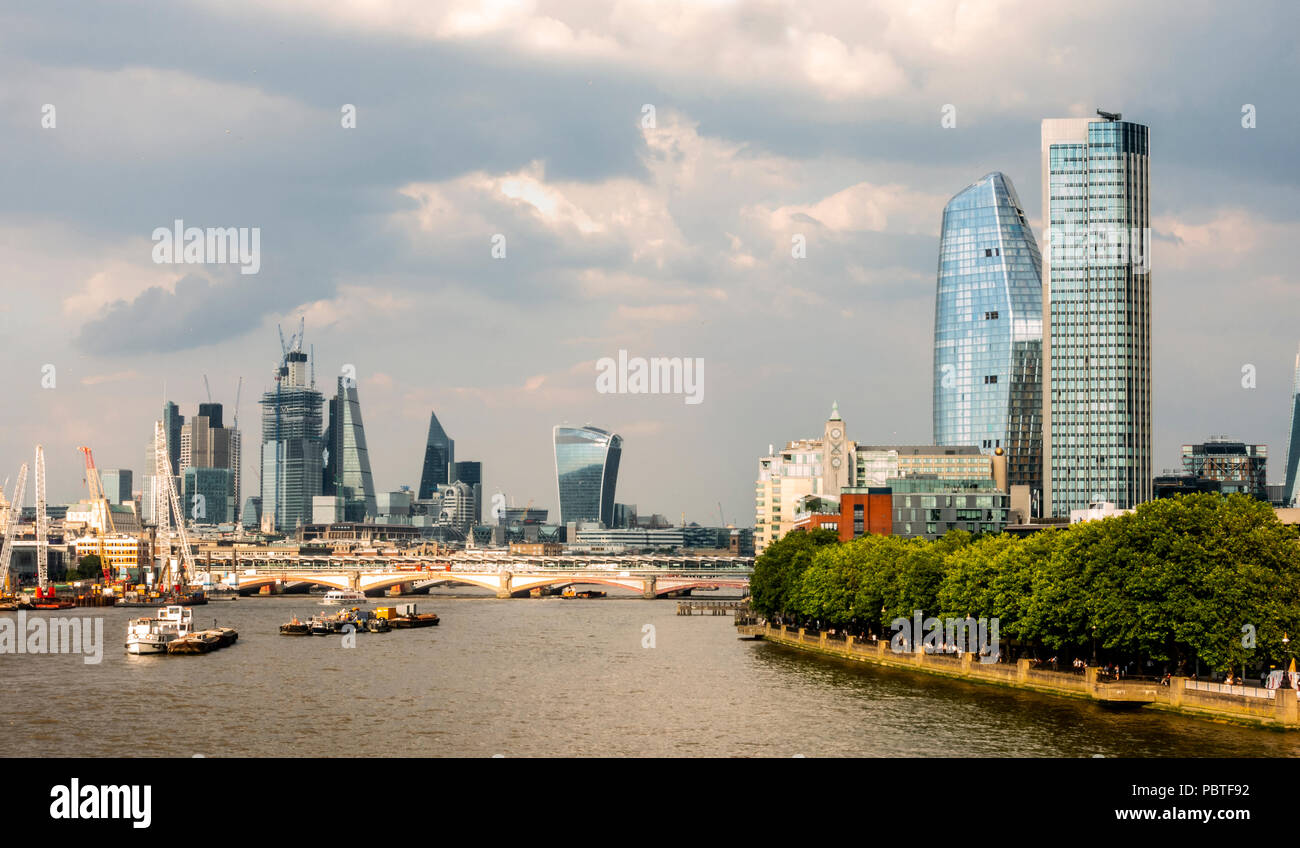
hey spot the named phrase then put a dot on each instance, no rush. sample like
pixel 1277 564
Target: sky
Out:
pixel 645 166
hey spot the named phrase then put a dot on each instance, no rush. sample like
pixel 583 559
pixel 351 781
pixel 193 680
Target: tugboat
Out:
pixel 153 635
pixel 406 615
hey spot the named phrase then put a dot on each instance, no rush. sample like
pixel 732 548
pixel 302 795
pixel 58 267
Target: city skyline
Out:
pixel 671 239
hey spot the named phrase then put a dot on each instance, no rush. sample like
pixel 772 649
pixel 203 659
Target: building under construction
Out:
pixel 292 445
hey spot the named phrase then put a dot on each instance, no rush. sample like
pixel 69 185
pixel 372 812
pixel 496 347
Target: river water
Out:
pixel 546 677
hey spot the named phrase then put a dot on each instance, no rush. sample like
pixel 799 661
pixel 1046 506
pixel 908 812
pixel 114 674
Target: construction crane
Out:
pixel 163 472
pixel 43 588
pixel 207 388
pixel 98 501
pixel 11 530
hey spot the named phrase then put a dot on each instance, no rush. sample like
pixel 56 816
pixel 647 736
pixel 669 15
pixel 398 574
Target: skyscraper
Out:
pixel 586 472
pixel 471 473
pixel 292 446
pixel 347 470
pixel 172 422
pixel 439 454
pixel 988 329
pixel 1291 486
pixel 207 445
pixel 1096 313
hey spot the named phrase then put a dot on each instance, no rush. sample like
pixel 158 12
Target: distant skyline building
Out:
pixel 586 473
pixel 117 483
pixel 439 456
pixel 1291 484
pixel 803 468
pixel 988 328
pixel 206 444
pixel 347 474
pixel 1096 313
pixel 292 445
pixel 172 423
pixel 470 472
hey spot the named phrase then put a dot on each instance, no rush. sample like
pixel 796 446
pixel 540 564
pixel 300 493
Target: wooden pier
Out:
pixel 709 607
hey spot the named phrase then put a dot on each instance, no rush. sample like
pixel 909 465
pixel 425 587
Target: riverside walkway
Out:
pixel 1238 704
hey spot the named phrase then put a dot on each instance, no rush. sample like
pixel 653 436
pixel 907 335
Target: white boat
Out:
pixel 343 598
pixel 152 635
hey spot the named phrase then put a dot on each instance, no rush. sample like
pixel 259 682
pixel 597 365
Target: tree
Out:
pixel 88 567
pixel 778 571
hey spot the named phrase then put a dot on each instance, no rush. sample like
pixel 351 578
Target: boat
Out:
pixel 195 643
pixel 406 616
pixel 153 635
pixel 343 597
pixel 223 593
pixel 570 592
pixel 295 627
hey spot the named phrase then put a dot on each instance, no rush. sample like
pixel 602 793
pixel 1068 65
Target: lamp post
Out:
pixel 1094 645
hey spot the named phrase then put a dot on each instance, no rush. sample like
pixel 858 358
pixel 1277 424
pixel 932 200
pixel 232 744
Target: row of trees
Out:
pixel 1194 577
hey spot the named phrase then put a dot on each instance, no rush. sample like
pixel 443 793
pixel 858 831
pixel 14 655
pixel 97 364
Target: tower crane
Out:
pixel 43 587
pixel 163 471
pixel 11 530
pixel 99 501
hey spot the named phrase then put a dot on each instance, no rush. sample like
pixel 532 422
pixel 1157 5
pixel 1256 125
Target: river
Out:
pixel 546 677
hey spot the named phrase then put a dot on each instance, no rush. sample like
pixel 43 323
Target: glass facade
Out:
pixel 988 329
pixel 586 471
pixel 1291 486
pixel 439 455
pixel 347 469
pixel 215 491
pixel 1097 304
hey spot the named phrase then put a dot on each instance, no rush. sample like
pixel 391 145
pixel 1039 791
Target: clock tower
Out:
pixel 837 455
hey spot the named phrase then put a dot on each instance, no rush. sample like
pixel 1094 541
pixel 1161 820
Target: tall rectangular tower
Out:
pixel 1291 484
pixel 1096 313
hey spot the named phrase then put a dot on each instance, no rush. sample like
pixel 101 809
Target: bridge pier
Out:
pixel 503 591
pixel 648 588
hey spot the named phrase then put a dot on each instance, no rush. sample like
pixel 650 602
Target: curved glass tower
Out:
pixel 586 471
pixel 1291 486
pixel 988 329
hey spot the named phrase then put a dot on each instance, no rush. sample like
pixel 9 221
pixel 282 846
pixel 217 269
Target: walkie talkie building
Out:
pixel 586 471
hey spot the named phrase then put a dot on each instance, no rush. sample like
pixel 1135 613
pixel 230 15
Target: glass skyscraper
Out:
pixel 1291 487
pixel 988 329
pixel 586 471
pixel 439 455
pixel 347 467
pixel 1096 313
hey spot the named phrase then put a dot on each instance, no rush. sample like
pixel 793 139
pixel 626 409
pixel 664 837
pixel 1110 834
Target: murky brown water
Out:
pixel 548 677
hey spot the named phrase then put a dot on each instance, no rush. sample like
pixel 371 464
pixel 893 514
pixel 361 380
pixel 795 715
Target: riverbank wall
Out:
pixel 1218 702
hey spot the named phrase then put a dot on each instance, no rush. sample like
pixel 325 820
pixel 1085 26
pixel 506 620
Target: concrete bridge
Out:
pixel 504 584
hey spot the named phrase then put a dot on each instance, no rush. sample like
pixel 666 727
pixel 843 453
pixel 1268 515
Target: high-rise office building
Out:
pixel 471 473
pixel 988 329
pixel 172 423
pixel 439 455
pixel 347 469
pixel 1096 313
pixel 1291 484
pixel 117 485
pixel 586 472
pixel 292 446
pixel 207 444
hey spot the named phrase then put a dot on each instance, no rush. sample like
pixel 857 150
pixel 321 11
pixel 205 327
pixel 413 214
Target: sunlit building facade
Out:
pixel 1096 314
